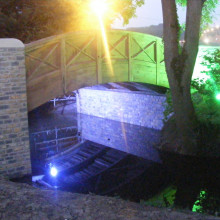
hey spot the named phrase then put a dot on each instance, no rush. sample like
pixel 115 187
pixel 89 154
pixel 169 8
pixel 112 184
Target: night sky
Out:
pixel 151 14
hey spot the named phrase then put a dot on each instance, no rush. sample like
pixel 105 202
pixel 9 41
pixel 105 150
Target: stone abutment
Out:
pixel 14 135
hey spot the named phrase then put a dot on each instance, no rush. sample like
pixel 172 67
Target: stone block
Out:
pixel 14 147
pixel 136 108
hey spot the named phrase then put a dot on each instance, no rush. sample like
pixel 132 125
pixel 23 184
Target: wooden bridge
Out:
pixel 61 64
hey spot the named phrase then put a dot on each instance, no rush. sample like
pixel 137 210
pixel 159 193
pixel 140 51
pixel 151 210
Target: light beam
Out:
pixel 105 42
pixel 100 8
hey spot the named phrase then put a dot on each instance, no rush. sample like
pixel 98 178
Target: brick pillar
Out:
pixel 14 136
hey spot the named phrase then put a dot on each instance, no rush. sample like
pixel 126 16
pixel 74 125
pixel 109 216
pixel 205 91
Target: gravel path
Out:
pixel 23 202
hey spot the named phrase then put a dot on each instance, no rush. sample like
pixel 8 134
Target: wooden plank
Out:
pixel 80 50
pixel 120 72
pixel 63 63
pixel 53 74
pixel 99 59
pixel 130 75
pixel 41 77
pixel 144 73
pixel 113 47
pixel 38 59
pixel 42 61
pixel 44 89
pixel 42 42
pixel 157 57
pixel 83 76
pixel 32 48
pixel 143 49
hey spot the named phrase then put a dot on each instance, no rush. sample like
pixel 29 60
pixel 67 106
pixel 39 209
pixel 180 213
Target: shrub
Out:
pixel 204 92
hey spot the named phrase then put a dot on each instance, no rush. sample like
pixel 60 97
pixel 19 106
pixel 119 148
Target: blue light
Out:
pixel 53 171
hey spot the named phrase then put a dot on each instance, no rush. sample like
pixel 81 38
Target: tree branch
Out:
pixel 170 34
pixel 192 32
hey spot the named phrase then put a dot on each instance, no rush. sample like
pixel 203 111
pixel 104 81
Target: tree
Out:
pixel 179 62
pixel 126 9
pixel 29 20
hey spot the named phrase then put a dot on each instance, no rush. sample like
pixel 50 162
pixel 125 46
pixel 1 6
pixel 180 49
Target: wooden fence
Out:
pixel 60 64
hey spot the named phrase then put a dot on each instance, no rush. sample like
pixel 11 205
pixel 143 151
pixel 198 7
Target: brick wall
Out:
pixel 138 108
pixel 14 136
pixel 133 139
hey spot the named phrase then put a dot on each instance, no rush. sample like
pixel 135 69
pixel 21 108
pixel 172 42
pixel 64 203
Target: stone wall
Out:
pixel 14 136
pixel 133 139
pixel 136 107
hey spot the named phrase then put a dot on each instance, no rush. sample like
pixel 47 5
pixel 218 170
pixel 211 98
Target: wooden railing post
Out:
pixel 158 56
pixel 63 64
pixel 130 76
pixel 98 58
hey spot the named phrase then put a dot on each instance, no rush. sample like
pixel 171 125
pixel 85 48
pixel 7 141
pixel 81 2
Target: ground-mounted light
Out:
pixel 53 171
pixel 218 96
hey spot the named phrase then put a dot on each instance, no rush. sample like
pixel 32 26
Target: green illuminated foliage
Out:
pixel 126 8
pixel 163 199
pixel 208 202
pixel 168 106
pixel 212 62
pixel 205 91
pixel 207 12
pixel 198 204
pixel 218 97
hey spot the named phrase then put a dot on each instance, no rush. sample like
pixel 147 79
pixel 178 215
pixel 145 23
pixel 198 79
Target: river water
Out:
pixel 168 180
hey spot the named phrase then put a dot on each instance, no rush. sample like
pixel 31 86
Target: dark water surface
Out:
pixel 166 179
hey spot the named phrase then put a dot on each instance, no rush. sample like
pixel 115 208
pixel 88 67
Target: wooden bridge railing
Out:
pixel 60 64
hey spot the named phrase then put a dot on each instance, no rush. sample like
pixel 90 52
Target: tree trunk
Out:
pixel 179 66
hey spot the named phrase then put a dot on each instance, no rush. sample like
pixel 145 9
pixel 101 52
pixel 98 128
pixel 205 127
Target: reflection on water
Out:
pixel 194 181
pixel 133 139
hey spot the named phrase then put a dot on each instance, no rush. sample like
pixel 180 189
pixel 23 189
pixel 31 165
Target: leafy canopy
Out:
pixel 29 20
pixel 207 13
pixel 204 92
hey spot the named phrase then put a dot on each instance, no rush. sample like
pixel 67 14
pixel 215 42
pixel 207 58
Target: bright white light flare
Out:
pixel 99 7
pixel 218 96
pixel 206 40
pixel 53 172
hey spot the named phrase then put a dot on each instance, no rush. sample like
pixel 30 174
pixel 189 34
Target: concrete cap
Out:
pixel 10 43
